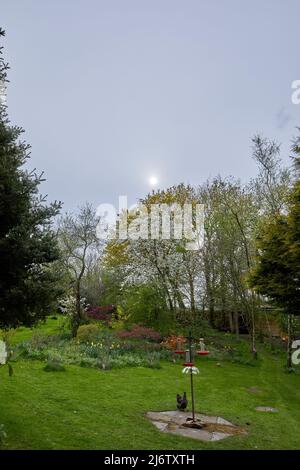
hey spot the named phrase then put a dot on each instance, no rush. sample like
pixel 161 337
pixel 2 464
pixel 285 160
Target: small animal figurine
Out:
pixel 181 401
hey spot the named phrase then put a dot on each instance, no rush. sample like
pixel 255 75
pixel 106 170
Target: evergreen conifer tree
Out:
pixel 27 243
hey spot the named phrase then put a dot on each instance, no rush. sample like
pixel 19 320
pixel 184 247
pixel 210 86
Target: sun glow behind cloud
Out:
pixel 153 181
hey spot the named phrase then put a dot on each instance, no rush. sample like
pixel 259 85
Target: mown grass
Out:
pixel 52 325
pixel 84 408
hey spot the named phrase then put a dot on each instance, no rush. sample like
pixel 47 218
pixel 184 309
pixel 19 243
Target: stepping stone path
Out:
pixel 267 409
pixel 213 428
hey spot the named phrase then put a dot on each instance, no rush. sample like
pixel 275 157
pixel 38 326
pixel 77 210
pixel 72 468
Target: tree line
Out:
pixel 249 260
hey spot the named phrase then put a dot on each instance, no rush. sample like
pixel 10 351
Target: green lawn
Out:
pixel 85 408
pixel 52 325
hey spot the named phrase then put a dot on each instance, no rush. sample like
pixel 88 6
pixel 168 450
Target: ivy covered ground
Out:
pixel 87 408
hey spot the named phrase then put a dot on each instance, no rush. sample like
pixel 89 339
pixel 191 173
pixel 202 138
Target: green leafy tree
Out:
pixel 277 272
pixel 146 304
pixel 27 244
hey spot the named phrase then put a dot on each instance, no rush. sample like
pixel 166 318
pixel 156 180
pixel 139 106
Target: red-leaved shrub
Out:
pixel 140 332
pixel 103 314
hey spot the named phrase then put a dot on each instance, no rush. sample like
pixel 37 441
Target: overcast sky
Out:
pixel 112 92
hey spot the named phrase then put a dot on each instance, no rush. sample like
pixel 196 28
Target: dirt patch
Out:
pixel 254 390
pixel 224 428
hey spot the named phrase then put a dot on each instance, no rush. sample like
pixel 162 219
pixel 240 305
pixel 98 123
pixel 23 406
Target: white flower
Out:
pixel 3 352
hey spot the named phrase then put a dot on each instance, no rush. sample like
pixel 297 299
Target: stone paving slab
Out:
pixel 267 409
pixel 214 428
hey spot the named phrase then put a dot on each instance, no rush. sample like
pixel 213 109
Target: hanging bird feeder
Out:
pixel 179 348
pixel 202 351
pixel 189 358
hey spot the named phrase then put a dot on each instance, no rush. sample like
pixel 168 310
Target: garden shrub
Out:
pixel 54 366
pixel 139 332
pixel 119 319
pixel 106 351
pixel 88 333
pixel 129 360
pixel 153 360
pixel 103 314
pixel 39 341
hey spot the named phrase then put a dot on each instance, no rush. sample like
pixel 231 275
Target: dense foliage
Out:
pixel 276 273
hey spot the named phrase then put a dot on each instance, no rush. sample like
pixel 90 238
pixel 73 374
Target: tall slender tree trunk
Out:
pixel 236 314
pixel 169 299
pixel 77 317
pixel 253 332
pixel 210 296
pixel 192 294
pixel 269 330
pixel 212 312
pixel 179 299
pixel 252 307
pixel 290 341
pixel 236 324
pixel 231 324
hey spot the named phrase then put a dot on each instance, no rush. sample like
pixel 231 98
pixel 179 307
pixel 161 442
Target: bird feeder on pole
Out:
pixel 189 368
pixel 202 351
pixel 179 347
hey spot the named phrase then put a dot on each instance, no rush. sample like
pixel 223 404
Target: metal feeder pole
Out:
pixel 191 374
